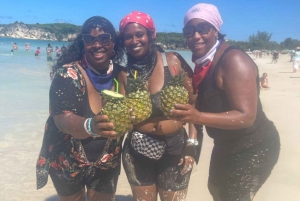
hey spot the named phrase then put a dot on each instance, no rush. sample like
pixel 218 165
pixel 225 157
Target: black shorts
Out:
pixel 104 181
pixel 164 173
pixel 240 175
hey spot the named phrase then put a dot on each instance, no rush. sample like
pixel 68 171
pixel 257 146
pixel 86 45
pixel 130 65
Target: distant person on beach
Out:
pixel 296 61
pixel 291 53
pixel 80 151
pixel 57 51
pixel 263 82
pixel 275 56
pixel 63 49
pixel 49 51
pixel 246 143
pixel 37 51
pixel 167 169
pixel 27 46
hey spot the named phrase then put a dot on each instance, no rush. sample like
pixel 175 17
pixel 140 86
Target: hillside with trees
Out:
pixel 67 32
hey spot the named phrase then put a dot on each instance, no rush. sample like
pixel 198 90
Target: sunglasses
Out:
pixel 202 28
pixel 103 39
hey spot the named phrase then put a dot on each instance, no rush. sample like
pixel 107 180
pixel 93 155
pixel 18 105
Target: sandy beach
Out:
pixel 281 104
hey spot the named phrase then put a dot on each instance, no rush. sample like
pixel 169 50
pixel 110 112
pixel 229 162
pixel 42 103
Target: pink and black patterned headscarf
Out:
pixel 138 17
pixel 207 12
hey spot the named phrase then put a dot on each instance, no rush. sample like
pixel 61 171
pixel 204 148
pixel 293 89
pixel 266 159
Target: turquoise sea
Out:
pixel 24 84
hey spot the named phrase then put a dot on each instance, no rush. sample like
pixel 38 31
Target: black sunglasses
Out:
pixel 202 28
pixel 103 39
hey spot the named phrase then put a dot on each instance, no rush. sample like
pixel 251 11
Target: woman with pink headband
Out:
pixel 246 143
pixel 164 165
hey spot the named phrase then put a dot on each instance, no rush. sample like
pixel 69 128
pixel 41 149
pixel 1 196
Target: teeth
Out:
pixel 136 48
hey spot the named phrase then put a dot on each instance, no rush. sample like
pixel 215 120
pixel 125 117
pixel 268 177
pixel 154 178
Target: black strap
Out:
pixel 224 53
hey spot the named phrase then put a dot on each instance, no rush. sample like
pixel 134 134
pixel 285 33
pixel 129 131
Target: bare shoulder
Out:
pixel 171 57
pixel 176 60
pixel 237 60
pixel 235 67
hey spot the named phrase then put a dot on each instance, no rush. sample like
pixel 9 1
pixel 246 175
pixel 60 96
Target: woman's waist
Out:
pixel 174 142
pixel 162 127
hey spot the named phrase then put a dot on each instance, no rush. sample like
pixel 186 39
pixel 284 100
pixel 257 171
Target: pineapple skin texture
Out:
pixel 141 106
pixel 118 114
pixel 172 95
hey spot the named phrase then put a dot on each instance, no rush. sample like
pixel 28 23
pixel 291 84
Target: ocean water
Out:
pixel 24 87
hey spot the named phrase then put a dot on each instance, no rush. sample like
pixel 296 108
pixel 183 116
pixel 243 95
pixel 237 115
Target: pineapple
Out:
pixel 138 99
pixel 116 110
pixel 174 93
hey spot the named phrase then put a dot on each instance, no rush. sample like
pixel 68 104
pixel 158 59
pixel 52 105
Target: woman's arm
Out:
pixel 66 103
pixel 237 77
pixel 72 124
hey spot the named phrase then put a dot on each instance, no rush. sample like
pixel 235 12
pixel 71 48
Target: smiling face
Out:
pixel 201 44
pixel 136 40
pixel 98 55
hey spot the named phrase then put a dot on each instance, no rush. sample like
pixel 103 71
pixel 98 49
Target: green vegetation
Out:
pixel 171 40
pixel 262 41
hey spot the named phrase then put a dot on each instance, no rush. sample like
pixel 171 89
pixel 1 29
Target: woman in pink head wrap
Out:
pixel 226 79
pixel 158 156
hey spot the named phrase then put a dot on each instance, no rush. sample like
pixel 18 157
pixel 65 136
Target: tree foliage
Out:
pixel 262 41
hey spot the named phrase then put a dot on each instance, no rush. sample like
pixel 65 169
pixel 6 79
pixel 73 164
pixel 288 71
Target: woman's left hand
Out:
pixel 188 164
pixel 185 113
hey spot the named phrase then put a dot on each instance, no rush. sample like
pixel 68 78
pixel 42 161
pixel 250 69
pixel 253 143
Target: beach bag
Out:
pixel 147 146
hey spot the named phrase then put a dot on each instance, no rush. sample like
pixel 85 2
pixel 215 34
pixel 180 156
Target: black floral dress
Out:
pixel 61 153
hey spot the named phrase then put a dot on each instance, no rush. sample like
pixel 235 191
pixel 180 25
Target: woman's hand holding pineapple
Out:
pixel 102 127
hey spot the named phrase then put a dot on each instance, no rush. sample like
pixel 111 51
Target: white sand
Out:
pixel 281 103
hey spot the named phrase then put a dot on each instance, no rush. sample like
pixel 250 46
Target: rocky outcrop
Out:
pixel 20 30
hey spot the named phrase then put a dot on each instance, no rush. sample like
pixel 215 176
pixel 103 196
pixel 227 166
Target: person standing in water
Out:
pixel 27 46
pixel 37 51
pixel 49 51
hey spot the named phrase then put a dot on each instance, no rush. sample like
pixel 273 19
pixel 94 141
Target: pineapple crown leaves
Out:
pixel 134 85
pixel 177 80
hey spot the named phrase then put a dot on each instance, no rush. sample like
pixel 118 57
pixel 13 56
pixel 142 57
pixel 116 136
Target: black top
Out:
pixel 156 97
pixel 214 100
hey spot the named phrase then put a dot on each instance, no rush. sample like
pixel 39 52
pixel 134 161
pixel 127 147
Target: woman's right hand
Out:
pixel 102 127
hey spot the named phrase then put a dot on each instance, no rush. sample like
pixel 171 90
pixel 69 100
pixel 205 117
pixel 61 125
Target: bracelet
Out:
pixel 85 126
pixel 193 141
pixel 88 128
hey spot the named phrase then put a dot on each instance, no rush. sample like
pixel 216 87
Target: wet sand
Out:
pixel 281 103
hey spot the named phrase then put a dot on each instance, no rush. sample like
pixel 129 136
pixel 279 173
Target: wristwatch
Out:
pixel 193 141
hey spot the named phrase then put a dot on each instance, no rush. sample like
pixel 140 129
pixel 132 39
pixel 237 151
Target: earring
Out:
pixel 113 52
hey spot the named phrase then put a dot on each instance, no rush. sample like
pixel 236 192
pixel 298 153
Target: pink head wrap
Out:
pixel 207 12
pixel 140 18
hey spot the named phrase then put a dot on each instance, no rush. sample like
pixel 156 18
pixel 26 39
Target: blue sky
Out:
pixel 241 18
